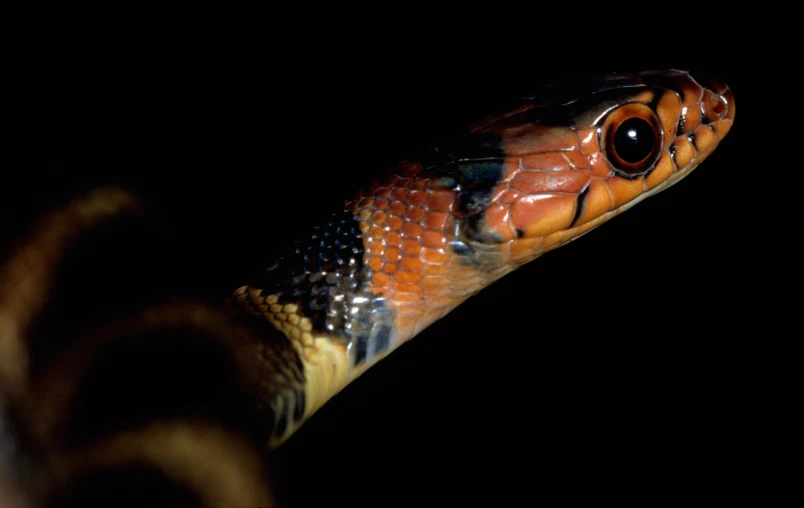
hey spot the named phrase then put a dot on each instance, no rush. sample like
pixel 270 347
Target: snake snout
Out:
pixel 718 100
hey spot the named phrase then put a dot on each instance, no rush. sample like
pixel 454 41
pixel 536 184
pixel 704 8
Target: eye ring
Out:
pixel 632 139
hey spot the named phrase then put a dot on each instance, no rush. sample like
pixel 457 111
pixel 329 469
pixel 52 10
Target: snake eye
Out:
pixel 632 139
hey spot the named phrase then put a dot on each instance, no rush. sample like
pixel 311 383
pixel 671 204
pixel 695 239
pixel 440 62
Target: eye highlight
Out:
pixel 632 139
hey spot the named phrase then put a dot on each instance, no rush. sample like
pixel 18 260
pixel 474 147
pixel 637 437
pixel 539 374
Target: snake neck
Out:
pixel 391 262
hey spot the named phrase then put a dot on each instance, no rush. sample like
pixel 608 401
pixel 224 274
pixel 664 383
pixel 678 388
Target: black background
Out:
pixel 656 357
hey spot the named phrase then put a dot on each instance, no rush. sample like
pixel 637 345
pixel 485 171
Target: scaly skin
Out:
pixel 400 254
pixel 434 230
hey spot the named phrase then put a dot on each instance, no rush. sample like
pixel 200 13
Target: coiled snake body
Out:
pixel 401 254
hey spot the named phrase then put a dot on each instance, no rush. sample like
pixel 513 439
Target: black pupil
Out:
pixel 634 140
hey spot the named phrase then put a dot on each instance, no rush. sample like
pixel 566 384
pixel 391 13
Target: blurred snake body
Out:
pixel 400 254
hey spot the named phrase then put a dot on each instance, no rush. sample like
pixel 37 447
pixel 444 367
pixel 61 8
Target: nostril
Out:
pixel 713 107
pixel 717 102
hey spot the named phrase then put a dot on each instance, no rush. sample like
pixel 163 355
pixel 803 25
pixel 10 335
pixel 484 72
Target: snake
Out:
pixel 400 254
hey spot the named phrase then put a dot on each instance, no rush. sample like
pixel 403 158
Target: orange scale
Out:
pixel 377 232
pixel 381 279
pixel 544 162
pixel 691 118
pixel 393 238
pixel 415 214
pixel 600 167
pixel 379 217
pixel 417 198
pixel 407 287
pixel 664 168
pixel 589 143
pixel 558 181
pixel 411 247
pixel 598 201
pixel 705 140
pixel 624 190
pixel 508 197
pixel 395 222
pixel 577 160
pixel 393 254
pixel 412 230
pixel 543 214
pixel 496 219
pixel 375 263
pixel 435 220
pixel 400 194
pixel 435 269
pixel 405 276
pixel 441 201
pixel 669 111
pixel 434 255
pixel 433 239
pixel 398 208
pixel 684 152
pixel 411 263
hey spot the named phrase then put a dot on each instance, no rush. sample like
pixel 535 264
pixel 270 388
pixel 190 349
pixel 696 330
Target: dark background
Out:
pixel 656 357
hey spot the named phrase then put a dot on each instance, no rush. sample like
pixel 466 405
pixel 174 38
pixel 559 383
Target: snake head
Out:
pixel 573 165
pixel 573 156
